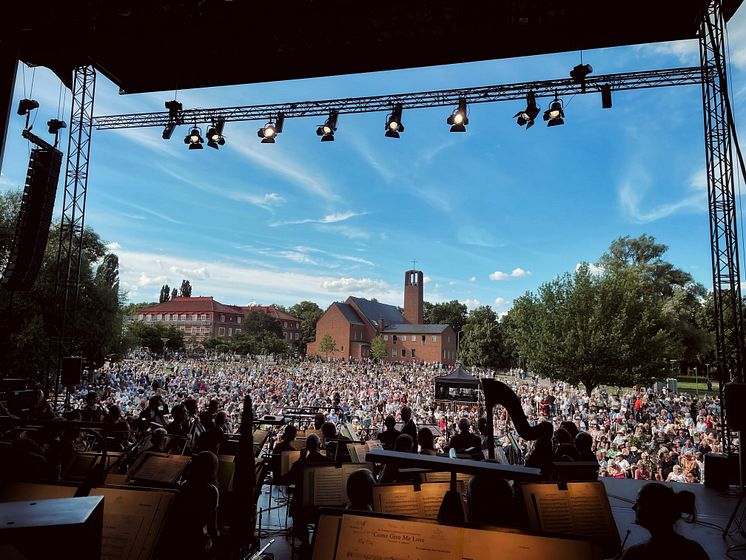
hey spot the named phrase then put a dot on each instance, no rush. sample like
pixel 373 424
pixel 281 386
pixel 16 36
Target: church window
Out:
pixel 414 338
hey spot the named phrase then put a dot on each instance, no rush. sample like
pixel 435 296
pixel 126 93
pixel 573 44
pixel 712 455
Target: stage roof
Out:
pixel 146 45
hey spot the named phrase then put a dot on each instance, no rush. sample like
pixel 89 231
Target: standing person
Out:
pixel 388 437
pixel 657 509
pixel 409 427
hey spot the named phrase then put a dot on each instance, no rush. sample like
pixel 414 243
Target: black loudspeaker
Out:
pixel 72 370
pixel 720 470
pixel 735 406
pixel 606 96
pixel 34 219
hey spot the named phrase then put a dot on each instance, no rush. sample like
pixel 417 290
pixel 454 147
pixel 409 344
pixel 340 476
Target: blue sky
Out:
pixel 487 215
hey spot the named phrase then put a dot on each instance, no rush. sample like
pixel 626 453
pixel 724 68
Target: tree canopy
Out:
pixel 447 313
pixel 309 314
pixel 482 343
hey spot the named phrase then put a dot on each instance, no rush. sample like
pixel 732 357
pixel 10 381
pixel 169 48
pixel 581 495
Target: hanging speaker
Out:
pixel 72 370
pixel 735 406
pixel 34 220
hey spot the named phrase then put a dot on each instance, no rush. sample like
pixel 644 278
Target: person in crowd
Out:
pixel 676 475
pixel 426 441
pixel 390 473
pixel 318 421
pixel 154 413
pixel 335 443
pixel 115 429
pixel 388 436
pixel 465 442
pixel 657 509
pixel 641 471
pixel 92 412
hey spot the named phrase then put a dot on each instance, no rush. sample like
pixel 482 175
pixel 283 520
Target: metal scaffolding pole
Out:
pixel 72 225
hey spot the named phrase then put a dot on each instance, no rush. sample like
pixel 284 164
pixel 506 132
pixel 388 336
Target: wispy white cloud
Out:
pixel 500 302
pixel 633 189
pixel 471 304
pixel 349 258
pixel 113 246
pixel 515 273
pixel 159 215
pixel 328 219
pixel 355 285
pixel 473 279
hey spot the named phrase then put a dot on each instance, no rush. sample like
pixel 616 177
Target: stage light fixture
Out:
pixel 168 130
pixel 529 114
pixel 215 136
pixel 174 111
pixel 555 115
pixel 269 132
pixel 459 119
pixel 55 125
pixel 25 106
pixel 580 72
pixel 194 139
pixel 606 96
pixel 327 130
pixel 393 122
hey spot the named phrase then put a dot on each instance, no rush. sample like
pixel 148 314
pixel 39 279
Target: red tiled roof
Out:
pixel 270 310
pixel 191 305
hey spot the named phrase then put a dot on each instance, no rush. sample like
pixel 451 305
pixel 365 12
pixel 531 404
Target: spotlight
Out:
pixel 215 136
pixel 555 115
pixel 269 131
pixel 168 130
pixel 327 130
pixel 606 96
pixel 458 119
pixel 580 72
pixel 174 111
pixel 27 105
pixel 194 139
pixel 393 122
pixel 55 125
pixel 529 114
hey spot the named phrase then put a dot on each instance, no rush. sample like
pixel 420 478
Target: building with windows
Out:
pixel 290 324
pixel 198 317
pixel 354 323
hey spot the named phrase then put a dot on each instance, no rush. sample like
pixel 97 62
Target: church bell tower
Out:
pixel 413 297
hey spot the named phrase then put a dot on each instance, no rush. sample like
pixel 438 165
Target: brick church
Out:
pixel 356 322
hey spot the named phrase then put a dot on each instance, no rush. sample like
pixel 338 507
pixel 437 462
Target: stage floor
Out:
pixel 713 511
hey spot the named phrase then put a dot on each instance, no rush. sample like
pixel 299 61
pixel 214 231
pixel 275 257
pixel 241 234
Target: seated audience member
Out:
pixel 676 475
pixel 154 413
pixel 465 441
pixel 489 501
pixel 390 473
pixel 360 490
pixel 426 442
pixel 194 527
pixel 92 412
pixel 657 509
pixel 388 437
pixel 641 471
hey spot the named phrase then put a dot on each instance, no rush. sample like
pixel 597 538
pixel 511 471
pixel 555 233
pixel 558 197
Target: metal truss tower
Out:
pixel 718 128
pixel 72 226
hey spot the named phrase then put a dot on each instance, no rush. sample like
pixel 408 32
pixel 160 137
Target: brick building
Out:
pixel 354 323
pixel 198 317
pixel 290 324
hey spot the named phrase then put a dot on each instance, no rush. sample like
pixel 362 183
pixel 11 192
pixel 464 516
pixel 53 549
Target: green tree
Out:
pixel 592 329
pixel 327 345
pixel 186 289
pixel 174 293
pixel 378 348
pixel 447 313
pixel 309 314
pixel 482 341
pixel 165 294
pixel 261 334
pixel 151 335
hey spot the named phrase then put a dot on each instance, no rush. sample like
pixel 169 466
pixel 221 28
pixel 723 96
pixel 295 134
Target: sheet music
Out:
pixel 325 537
pixel 481 545
pixel 328 486
pixel 159 468
pixel 430 497
pixel 287 458
pixel 373 444
pixel 357 452
pixel 370 538
pixel 396 500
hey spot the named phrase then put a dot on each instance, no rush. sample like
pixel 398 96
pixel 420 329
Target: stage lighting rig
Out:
pixel 555 115
pixel 174 118
pixel 327 130
pixel 194 139
pixel 393 122
pixel 25 106
pixel 55 125
pixel 529 114
pixel 458 119
pixel 215 136
pixel 269 131
pixel 580 73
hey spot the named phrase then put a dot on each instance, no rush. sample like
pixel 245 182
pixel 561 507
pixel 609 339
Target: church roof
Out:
pixel 404 328
pixel 348 313
pixel 374 311
pixel 191 304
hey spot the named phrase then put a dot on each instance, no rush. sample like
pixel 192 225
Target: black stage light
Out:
pixel 174 111
pixel 393 122
pixel 458 119
pixel 194 139
pixel 269 132
pixel 27 105
pixel 55 125
pixel 580 72
pixel 606 96
pixel 327 130
pixel 168 130
pixel 215 136
pixel 529 114
pixel 555 115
